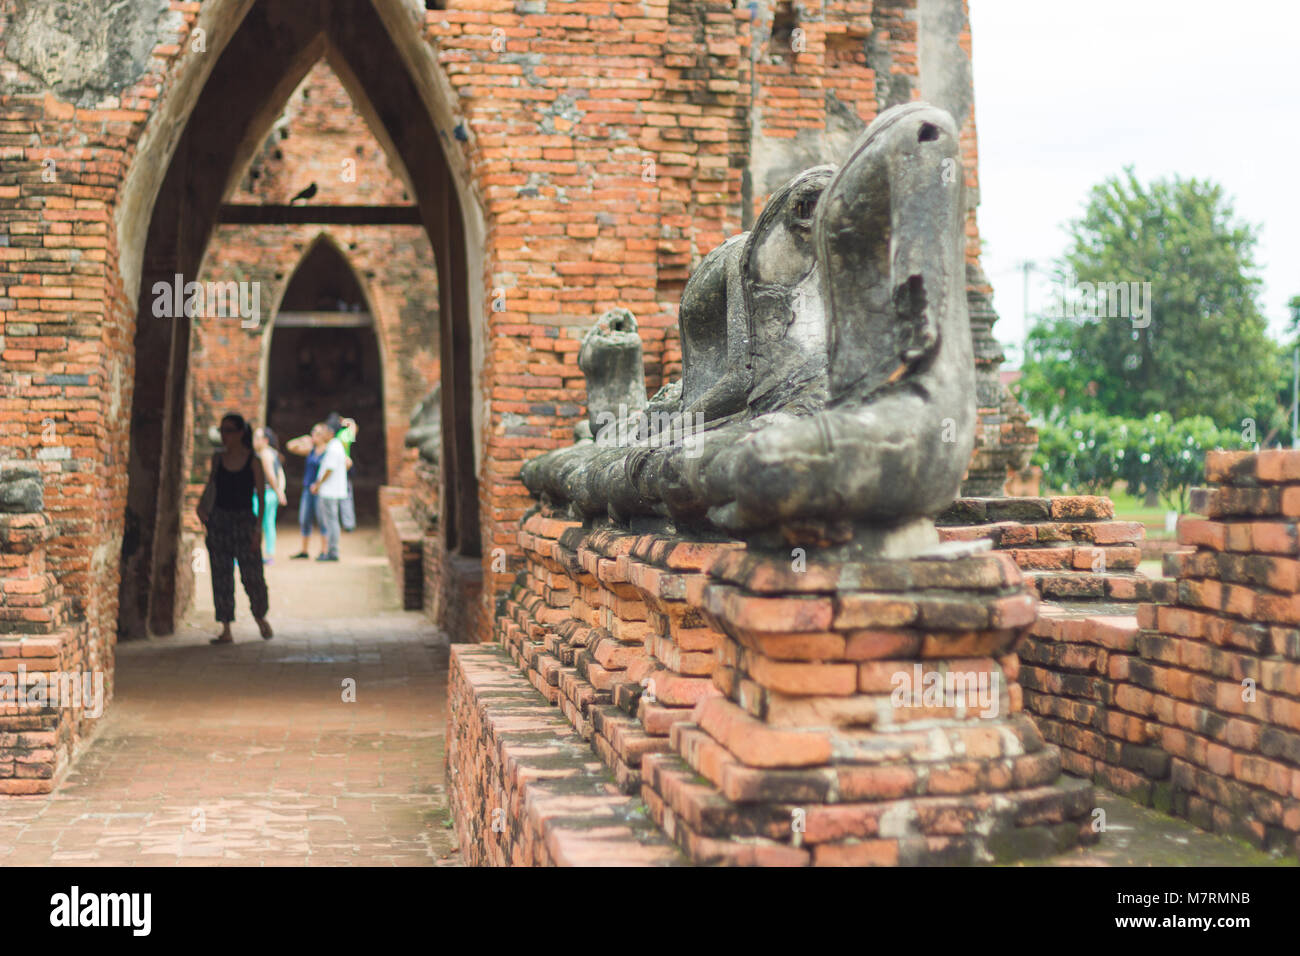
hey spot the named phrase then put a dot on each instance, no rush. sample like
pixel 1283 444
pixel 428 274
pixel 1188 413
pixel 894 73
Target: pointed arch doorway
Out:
pixel 324 357
pixel 177 186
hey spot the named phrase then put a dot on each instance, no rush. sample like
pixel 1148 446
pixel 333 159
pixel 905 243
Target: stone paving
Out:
pixel 1139 836
pixel 247 754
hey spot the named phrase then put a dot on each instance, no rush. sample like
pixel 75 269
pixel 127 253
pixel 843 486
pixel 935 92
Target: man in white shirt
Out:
pixel 331 490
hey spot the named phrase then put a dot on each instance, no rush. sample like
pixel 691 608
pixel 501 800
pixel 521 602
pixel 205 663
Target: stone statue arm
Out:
pixel 725 398
pixel 917 271
pixel 885 309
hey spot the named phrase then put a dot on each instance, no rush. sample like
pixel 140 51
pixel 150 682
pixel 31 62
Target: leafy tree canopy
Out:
pixel 1191 343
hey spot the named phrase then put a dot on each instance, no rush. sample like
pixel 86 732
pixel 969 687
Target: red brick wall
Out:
pixel 42 647
pixel 320 137
pixel 68 362
pixel 1183 694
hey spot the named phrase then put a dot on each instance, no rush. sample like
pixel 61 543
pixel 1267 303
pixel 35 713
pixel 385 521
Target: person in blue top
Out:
pixel 312 447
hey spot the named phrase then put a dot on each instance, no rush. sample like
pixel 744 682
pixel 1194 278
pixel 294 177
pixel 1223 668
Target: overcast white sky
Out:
pixel 1068 93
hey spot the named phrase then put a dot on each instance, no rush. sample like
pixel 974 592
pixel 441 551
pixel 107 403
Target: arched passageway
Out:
pixel 269 53
pixel 324 357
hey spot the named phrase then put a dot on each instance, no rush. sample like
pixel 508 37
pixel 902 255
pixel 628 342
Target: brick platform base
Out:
pixel 851 731
pixel 1070 548
pixel 1190 700
pixel 752 705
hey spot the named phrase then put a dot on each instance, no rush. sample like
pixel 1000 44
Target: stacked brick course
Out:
pixel 524 789
pixel 1182 694
pixel 1083 564
pixel 40 729
pixel 1070 547
pixel 578 629
pixel 604 624
pixel 816 727
pixel 404 545
pixel 1072 666
pixel 1216 679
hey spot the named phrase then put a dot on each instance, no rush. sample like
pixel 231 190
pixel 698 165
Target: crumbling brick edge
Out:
pixel 524 789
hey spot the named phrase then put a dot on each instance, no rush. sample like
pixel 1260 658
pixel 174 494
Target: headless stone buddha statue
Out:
pixel 611 362
pixel 847 304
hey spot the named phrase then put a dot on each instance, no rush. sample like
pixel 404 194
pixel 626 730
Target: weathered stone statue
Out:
pixel 22 490
pixel 828 392
pixel 611 361
pixel 783 329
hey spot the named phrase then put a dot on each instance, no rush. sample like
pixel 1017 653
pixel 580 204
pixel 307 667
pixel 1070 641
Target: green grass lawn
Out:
pixel 1128 508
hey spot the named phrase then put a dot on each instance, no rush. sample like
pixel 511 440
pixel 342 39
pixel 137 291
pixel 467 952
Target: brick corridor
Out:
pixel 247 754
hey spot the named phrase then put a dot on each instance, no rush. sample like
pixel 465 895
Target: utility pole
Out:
pixel 1027 266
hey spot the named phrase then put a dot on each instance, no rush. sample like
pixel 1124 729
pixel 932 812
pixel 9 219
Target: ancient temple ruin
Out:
pixel 687 424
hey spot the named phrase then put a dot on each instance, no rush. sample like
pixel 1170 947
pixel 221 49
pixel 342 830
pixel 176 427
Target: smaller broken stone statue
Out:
pixel 425 431
pixel 827 396
pixel 22 490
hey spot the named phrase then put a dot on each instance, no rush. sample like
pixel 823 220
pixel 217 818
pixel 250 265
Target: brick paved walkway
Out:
pixel 247 754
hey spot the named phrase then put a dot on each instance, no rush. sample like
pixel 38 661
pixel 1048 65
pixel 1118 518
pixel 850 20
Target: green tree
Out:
pixel 1279 432
pixel 1199 346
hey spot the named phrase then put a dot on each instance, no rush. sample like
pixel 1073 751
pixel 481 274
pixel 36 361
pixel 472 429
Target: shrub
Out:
pixel 1089 452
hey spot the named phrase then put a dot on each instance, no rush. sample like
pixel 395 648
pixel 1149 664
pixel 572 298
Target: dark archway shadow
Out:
pixel 323 357
pixel 271 51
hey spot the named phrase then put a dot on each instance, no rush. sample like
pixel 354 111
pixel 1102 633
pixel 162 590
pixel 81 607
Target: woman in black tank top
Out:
pixel 233 525
pixel 235 488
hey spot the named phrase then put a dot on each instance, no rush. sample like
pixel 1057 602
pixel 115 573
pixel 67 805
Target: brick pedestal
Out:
pixel 602 625
pixel 671 575
pixel 869 713
pixel 760 706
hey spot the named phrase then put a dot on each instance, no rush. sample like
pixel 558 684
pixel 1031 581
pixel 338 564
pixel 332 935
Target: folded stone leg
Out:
pixel 881 463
